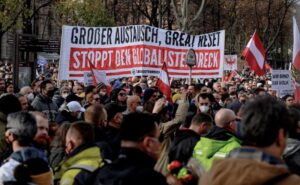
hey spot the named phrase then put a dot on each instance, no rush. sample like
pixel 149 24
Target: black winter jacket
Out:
pixel 133 167
pixel 183 145
pixel 291 155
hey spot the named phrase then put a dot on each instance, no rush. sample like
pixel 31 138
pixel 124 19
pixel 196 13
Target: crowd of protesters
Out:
pixel 214 132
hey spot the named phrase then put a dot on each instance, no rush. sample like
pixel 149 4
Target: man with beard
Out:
pixel 41 139
pixel 43 103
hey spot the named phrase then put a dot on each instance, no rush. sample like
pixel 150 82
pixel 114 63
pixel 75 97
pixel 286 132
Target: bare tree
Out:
pixel 183 20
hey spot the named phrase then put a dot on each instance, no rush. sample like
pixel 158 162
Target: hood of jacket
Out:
pixel 28 153
pixel 86 155
pixel 217 133
pixel 240 171
pixel 293 145
pixel 183 134
pixel 249 166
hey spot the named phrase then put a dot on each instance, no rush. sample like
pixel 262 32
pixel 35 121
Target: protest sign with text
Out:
pixel 87 78
pixel 138 50
pixel 282 82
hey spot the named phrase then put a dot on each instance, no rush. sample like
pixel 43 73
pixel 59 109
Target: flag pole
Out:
pixel 190 75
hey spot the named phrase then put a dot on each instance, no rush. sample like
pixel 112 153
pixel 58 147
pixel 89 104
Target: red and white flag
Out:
pixel 268 67
pixel 163 83
pixel 296 60
pixel 100 76
pixel 254 54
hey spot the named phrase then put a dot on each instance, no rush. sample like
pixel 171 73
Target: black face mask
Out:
pixel 50 93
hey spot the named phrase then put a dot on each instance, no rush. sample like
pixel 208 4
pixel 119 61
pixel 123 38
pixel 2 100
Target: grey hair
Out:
pixel 22 124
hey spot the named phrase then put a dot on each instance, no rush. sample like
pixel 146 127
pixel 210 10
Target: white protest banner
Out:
pixel 138 50
pixel 87 78
pixel 282 93
pixel 230 62
pixel 282 82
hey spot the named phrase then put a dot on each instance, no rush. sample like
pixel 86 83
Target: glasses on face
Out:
pixel 290 99
pixel 96 99
pixel 122 94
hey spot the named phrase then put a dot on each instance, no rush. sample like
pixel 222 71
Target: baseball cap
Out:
pixel 74 106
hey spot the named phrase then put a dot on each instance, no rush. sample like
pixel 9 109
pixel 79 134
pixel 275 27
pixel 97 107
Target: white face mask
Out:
pixel 139 108
pixel 102 93
pixel 221 103
pixel 30 97
pixel 64 95
pixel 204 108
pixel 79 116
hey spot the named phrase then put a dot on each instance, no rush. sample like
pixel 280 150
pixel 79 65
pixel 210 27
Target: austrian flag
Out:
pixel 296 61
pixel 163 83
pixel 99 76
pixel 255 55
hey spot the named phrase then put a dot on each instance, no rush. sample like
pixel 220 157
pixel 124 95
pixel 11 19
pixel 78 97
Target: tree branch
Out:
pixel 15 19
pixel 40 7
pixel 279 25
pixel 142 11
pixel 175 10
pixel 199 12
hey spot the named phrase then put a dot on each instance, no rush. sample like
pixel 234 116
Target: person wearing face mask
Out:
pixel 83 156
pixel 220 140
pixel 60 99
pixel 43 102
pixel 102 91
pixel 28 92
pixel 204 104
pixel 133 105
pixel 30 97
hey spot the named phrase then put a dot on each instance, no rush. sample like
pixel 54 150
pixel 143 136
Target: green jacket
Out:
pixel 77 168
pixel 208 149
